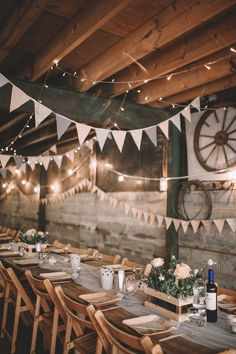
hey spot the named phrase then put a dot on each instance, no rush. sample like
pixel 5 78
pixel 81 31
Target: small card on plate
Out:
pixel 100 298
pixel 56 276
pixel 26 262
pixel 150 324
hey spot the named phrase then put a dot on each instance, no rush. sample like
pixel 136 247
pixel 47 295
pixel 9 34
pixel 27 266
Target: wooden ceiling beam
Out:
pixel 20 20
pixel 89 19
pixel 185 81
pixel 173 22
pixel 206 41
pixel 199 91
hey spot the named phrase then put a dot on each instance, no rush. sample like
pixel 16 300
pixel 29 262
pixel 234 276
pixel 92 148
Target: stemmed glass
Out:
pixel 130 286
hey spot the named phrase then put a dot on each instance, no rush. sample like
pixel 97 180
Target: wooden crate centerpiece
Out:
pixel 170 288
pixel 32 248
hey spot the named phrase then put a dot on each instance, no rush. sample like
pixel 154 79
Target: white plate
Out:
pixel 150 324
pixel 56 276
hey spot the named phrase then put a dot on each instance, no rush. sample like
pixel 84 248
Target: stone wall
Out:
pixel 85 220
pixel 197 249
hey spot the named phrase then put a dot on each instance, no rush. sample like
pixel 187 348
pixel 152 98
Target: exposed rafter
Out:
pixel 89 19
pixel 21 19
pixel 173 22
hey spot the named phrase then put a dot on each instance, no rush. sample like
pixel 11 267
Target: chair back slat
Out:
pixel 112 259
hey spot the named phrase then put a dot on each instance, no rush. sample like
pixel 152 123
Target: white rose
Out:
pixel 182 271
pixel 157 262
pixel 195 271
pixel 40 233
pixel 30 232
pixel 161 278
pixel 173 257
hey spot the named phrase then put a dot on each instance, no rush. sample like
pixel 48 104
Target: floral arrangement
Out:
pixel 33 236
pixel 174 279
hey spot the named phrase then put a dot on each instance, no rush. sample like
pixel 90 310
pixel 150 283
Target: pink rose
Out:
pixel 182 271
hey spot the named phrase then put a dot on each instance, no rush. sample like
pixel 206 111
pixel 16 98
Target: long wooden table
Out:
pixel 178 345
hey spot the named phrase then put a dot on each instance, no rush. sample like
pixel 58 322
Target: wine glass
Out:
pixel 130 287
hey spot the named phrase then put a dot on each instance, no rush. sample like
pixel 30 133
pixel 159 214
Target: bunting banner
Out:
pixel 134 212
pixel 19 97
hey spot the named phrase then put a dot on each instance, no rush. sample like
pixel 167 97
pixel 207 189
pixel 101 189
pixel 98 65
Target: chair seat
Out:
pixel 86 343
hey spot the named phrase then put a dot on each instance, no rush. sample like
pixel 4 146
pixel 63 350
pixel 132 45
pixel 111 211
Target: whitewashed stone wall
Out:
pixel 87 221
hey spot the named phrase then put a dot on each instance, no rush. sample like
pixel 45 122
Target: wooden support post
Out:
pixel 177 166
pixel 42 194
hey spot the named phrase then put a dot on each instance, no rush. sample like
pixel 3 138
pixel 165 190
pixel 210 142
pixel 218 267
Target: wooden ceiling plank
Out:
pixel 185 81
pixel 21 19
pixel 203 42
pixel 171 23
pixel 199 91
pixel 90 18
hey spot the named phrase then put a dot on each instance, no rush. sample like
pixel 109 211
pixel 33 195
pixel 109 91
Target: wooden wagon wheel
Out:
pixel 215 139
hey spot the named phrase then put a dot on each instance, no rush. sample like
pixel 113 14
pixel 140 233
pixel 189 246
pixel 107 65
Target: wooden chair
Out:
pixel 86 341
pixel 58 244
pixel 45 315
pixel 111 259
pixel 15 294
pixel 146 269
pixel 123 342
pixel 80 250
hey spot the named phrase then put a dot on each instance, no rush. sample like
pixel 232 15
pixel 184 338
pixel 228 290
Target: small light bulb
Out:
pixel 115 124
pixel 70 172
pixel 145 81
pixel 108 165
pixel 233 50
pixel 169 77
pixel 64 74
pixel 23 182
pixel 146 97
pixel 121 178
pixel 4 185
pixel 17 171
pixel 122 108
pixel 36 189
pixel 207 67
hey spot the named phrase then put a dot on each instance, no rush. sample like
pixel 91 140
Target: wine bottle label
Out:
pixel 211 301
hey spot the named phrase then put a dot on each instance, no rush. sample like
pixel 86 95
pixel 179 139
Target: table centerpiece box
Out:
pixel 31 238
pixel 170 288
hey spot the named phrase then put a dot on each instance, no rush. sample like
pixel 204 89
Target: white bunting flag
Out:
pixel 18 161
pixel 134 212
pixel 58 160
pixel 164 126
pixel 186 113
pixel 139 214
pixel 119 136
pixel 207 225
pixel 18 98
pixel 137 136
pixel 82 131
pixel 53 149
pixel 31 161
pixel 184 225
pixel 168 222
pixel 145 216
pixel 152 134
pixel 3 80
pixel 45 161
pixel 176 121
pixel 160 220
pixel 152 218
pixel 102 136
pixel 195 225
pixel 62 125
pixel 176 223
pixel 70 155
pixel 219 223
pixel 23 168
pixel 196 103
pixel 40 112
pixel 4 160
pixel 232 223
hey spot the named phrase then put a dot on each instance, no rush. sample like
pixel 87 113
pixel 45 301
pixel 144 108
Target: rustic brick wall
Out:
pixel 197 249
pixel 88 221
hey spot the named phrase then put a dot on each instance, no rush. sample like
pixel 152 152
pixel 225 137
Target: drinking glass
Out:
pixel 130 286
pixel 99 258
pixel 138 273
pixel 43 256
pixel 197 316
pixel 67 248
pixel 21 251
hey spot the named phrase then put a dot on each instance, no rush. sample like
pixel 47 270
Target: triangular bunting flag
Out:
pixel 176 223
pixel 3 80
pixel 134 212
pixel 168 222
pixel 40 112
pixel 23 168
pixel 207 225
pixel 45 160
pixel 137 136
pixel 119 137
pixel 82 131
pixel 127 209
pixel 12 169
pixel 164 126
pixel 58 160
pixel 186 113
pixel 102 136
pixel 160 220
pixel 219 223
pixel 145 216
pixel 18 161
pixel 195 225
pixel 3 173
pixel 152 218
pixel 184 225
pixel 139 214
pixel 232 223
pixel 152 134
pixel 70 155
pixel 62 125
pixel 53 149
pixel 176 120
pixel 4 160
pixel 31 161
pixel 196 103
pixel 18 98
